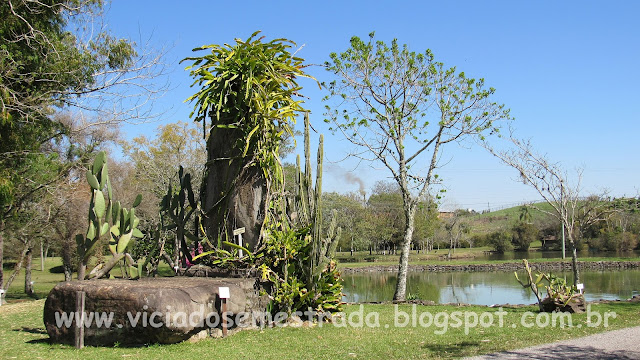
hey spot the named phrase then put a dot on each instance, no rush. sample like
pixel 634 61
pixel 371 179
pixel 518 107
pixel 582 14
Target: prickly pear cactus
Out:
pixel 107 216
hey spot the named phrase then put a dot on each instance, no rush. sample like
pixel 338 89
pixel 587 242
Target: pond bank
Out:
pixel 506 266
pixel 634 299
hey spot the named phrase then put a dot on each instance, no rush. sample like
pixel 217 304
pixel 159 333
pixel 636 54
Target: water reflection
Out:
pixel 482 288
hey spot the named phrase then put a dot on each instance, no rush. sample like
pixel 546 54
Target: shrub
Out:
pixel 614 241
pixel 500 241
pixel 523 235
pixel 285 265
pixel 479 240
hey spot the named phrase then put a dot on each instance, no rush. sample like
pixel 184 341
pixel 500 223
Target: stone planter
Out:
pixel 154 310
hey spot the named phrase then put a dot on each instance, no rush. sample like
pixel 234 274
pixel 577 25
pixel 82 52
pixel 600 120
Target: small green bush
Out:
pixel 500 241
pixel 523 235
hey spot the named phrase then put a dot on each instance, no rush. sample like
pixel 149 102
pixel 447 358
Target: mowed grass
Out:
pixel 23 336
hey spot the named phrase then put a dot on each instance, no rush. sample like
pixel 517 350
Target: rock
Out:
pixel 576 305
pixel 158 310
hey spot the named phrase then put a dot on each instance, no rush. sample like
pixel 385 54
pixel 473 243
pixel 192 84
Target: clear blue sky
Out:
pixel 568 70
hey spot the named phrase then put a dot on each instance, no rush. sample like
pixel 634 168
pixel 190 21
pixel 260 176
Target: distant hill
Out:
pixel 504 219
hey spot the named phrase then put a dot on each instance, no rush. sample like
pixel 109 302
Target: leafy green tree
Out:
pixel 385 206
pixel 49 68
pixel 156 162
pixel 455 227
pixel 350 217
pixel 426 224
pixel 401 108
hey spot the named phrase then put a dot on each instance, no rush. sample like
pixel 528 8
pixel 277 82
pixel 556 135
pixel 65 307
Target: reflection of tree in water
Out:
pixel 481 287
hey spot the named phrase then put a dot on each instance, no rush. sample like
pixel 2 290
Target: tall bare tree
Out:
pixel 553 183
pixel 400 108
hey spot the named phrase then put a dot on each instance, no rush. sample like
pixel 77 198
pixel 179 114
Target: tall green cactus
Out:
pixel 308 207
pixel 104 212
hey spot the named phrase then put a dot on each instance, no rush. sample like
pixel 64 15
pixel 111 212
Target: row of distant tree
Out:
pixel 376 224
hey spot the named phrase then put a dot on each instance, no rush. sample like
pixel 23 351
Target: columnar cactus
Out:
pixel 308 207
pixel 104 212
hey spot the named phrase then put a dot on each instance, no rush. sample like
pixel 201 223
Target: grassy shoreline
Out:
pixel 462 262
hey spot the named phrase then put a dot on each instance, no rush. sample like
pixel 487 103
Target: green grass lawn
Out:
pixel 22 336
pixel 44 281
pixel 22 333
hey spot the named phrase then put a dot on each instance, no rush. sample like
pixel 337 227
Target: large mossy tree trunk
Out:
pixel 234 191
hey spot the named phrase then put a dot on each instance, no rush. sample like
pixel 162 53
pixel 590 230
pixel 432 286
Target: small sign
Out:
pixel 580 286
pixel 223 292
pixel 239 231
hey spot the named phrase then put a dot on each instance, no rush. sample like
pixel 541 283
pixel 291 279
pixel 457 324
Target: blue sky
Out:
pixel 568 70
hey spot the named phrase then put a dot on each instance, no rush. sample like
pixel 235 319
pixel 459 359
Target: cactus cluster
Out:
pixel 307 205
pixel 179 205
pixel 107 216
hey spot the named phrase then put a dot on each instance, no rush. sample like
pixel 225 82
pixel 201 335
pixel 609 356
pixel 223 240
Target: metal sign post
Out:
pixel 223 292
pixel 237 233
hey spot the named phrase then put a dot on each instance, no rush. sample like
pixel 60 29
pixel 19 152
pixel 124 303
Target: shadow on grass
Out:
pixel 32 330
pixel 40 341
pixel 458 349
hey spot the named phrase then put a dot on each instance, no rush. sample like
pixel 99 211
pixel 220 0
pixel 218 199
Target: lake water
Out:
pixel 483 288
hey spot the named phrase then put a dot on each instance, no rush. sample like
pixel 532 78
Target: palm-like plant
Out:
pixel 251 87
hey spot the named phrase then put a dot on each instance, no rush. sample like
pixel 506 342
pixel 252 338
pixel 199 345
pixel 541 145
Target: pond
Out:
pixel 482 288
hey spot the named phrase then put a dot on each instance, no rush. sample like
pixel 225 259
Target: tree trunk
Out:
pixel 16 270
pixel 67 255
pixel 82 268
pixel 1 256
pixel 109 265
pixel 168 259
pixel 234 195
pixel 401 286
pixel 42 255
pixel 28 285
pixel 574 263
pixel 574 259
pixel 68 273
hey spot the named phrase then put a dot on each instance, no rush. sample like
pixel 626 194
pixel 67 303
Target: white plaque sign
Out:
pixel 223 292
